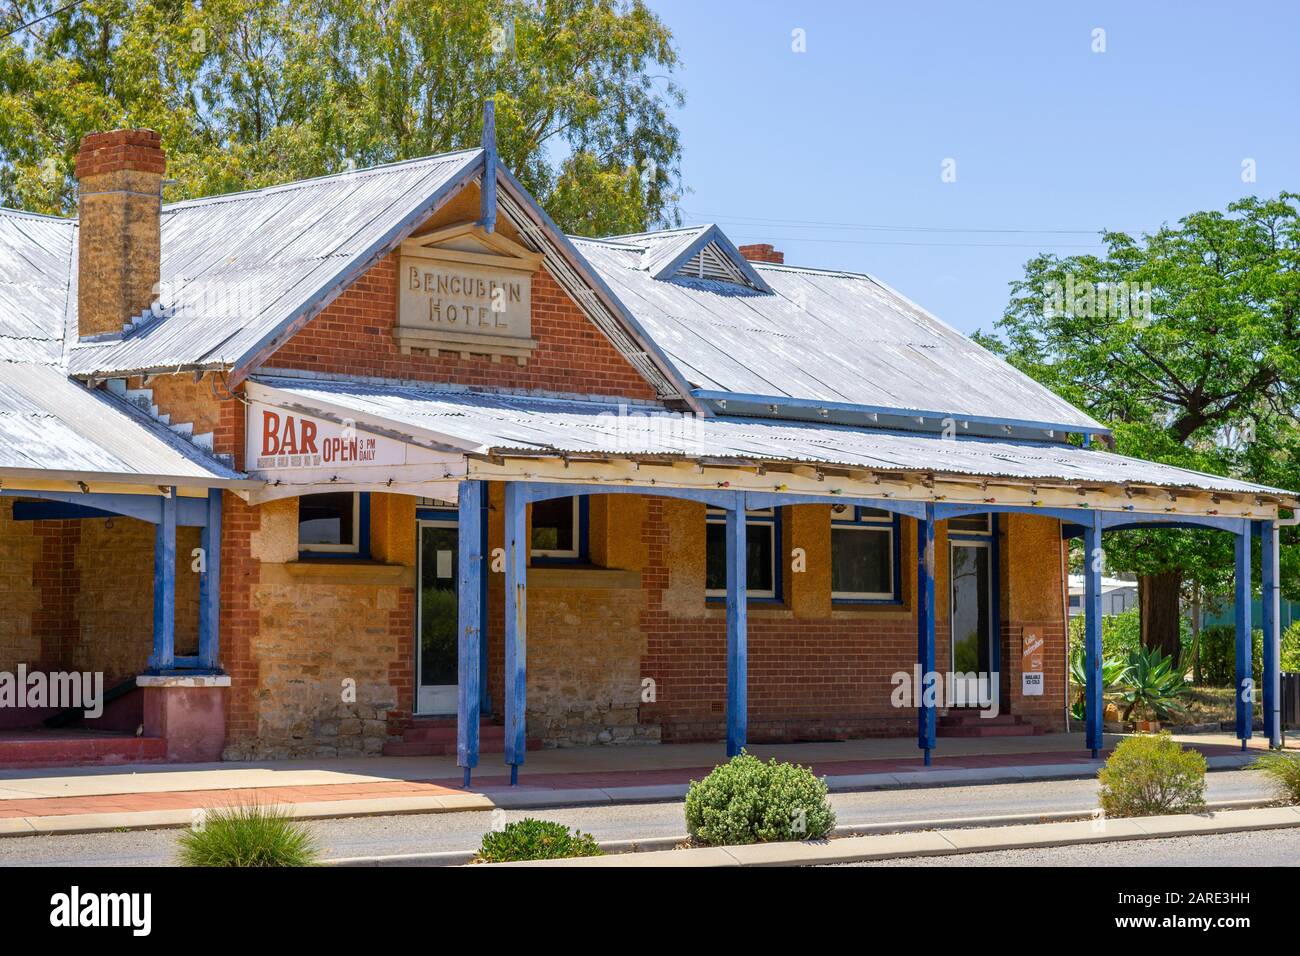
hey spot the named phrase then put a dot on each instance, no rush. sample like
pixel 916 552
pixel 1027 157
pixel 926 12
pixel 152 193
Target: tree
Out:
pixel 248 93
pixel 1187 342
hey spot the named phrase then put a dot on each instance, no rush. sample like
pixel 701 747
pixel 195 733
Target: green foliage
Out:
pixel 1291 648
pixel 1113 670
pixel 1283 770
pixel 1120 633
pixel 1151 685
pixel 1200 374
pixel 1151 774
pixel 532 839
pixel 1219 655
pixel 248 834
pixel 248 93
pixel 747 801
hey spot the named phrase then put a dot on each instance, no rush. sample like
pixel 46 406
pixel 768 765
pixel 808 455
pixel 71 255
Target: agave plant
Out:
pixel 1113 670
pixel 1151 684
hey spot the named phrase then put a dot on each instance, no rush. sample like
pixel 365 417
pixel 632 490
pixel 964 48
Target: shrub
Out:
pixel 1150 684
pixel 1283 770
pixel 1113 669
pixel 532 839
pixel 1291 648
pixel 747 801
pixel 1152 774
pixel 248 834
pixel 1219 655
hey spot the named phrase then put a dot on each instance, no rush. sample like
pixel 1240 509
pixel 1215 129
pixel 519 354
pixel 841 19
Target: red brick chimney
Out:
pixel 762 252
pixel 119 256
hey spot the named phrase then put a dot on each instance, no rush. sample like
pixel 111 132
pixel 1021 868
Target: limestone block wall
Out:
pixel 323 662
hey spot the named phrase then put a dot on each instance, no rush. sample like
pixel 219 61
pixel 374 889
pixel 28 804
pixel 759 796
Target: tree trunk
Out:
pixel 1158 600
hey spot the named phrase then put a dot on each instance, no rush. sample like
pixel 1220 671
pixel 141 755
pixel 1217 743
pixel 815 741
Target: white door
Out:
pixel 436 622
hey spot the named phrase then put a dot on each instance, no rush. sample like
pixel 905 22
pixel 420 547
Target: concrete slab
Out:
pixel 100 822
pixel 524 799
pixel 646 794
pixel 706 857
pixel 1042 834
pixel 1221 821
pixel 846 850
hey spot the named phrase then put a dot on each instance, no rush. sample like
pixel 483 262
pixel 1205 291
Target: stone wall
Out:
pixel 325 668
pixel 20 550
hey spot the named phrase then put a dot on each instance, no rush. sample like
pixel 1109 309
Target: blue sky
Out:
pixel 1045 133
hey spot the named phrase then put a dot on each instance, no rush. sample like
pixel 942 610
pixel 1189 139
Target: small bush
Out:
pixel 1219 655
pixel 249 834
pixel 531 839
pixel 1149 775
pixel 748 801
pixel 1283 770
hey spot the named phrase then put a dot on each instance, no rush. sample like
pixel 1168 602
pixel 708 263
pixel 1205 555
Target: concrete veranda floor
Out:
pixel 574 775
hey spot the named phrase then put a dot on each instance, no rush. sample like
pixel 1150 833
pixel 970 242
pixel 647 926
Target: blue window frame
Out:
pixel 865 556
pixel 762 546
pixel 559 530
pixel 335 524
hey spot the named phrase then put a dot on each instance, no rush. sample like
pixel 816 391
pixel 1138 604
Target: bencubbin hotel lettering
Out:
pixel 465 300
pixel 468 298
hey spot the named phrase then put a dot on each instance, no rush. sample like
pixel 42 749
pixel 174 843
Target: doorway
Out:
pixel 972 682
pixel 437 619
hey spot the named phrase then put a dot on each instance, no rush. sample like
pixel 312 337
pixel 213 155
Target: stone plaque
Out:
pixel 466 293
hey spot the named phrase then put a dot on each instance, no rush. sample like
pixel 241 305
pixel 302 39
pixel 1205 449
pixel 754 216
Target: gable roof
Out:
pixel 239 270
pixel 668 253
pixel 821 339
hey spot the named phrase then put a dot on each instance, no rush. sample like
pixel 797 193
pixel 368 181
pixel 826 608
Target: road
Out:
pixel 426 833
pixel 1258 848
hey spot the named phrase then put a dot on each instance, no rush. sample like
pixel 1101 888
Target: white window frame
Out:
pixel 874 524
pixel 353 548
pixel 766 518
pixel 573 552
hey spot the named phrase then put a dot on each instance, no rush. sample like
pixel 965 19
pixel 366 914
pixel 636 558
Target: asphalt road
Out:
pixel 432 832
pixel 1258 848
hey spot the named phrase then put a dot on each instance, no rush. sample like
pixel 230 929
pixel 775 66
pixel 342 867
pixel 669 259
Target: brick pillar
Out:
pixel 119 245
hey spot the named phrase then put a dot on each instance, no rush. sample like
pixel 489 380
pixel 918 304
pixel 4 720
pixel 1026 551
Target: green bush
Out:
pixel 1219 655
pixel 1150 686
pixel 1120 633
pixel 1283 770
pixel 1151 774
pixel 248 834
pixel 747 801
pixel 1291 648
pixel 532 839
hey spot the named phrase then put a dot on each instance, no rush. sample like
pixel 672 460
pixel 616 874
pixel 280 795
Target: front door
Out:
pixel 971 615
pixel 436 618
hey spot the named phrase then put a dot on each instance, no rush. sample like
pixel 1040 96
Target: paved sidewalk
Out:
pixel 150 795
pixel 945 842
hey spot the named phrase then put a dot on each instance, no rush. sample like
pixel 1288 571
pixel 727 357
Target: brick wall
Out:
pixel 354 336
pixel 816 670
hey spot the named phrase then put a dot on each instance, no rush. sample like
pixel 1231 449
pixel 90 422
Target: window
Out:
pixel 335 523
pixel 971 524
pixel 864 554
pixel 560 529
pixel 762 535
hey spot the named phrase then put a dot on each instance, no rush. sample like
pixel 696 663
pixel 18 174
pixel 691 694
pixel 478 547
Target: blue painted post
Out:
pixel 1272 633
pixel 485 695
pixel 164 587
pixel 516 635
pixel 470 562
pixel 1092 566
pixel 488 192
pixel 925 712
pixel 737 624
pixel 1245 683
pixel 210 585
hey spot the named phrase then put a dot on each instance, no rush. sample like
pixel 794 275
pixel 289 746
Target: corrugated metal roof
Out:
pixel 237 268
pixel 35 270
pixel 51 424
pixel 827 336
pixel 525 424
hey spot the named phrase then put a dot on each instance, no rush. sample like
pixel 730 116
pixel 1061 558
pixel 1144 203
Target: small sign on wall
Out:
pixel 1031 662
